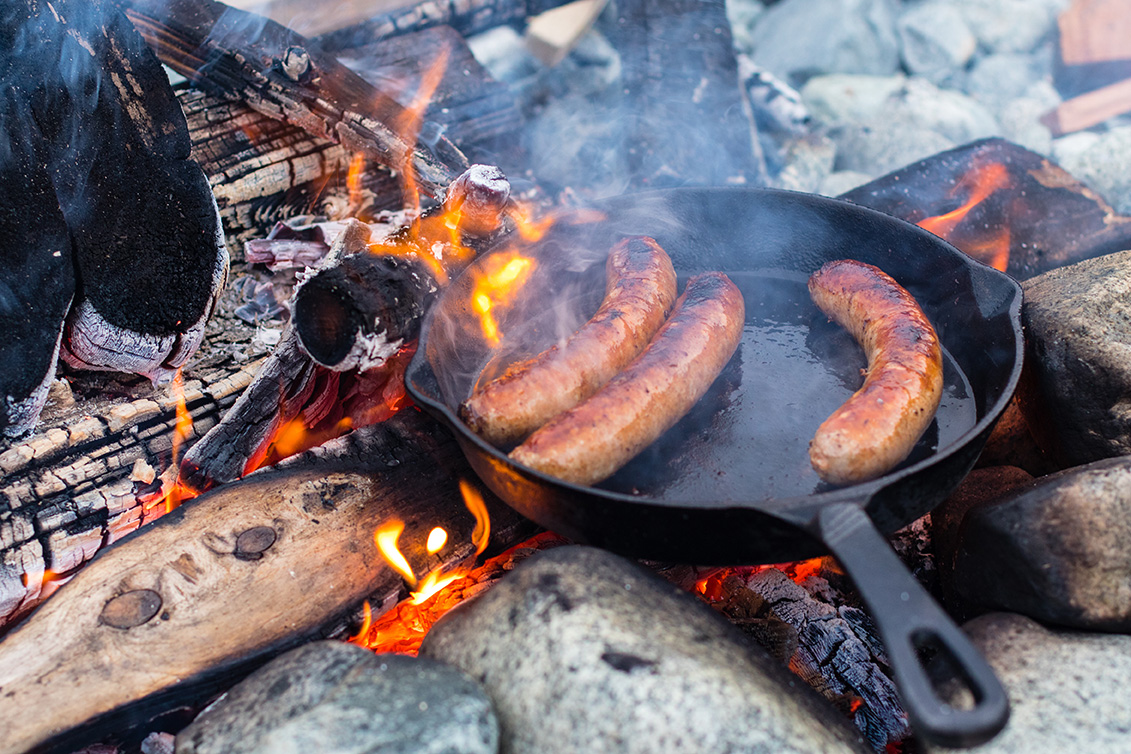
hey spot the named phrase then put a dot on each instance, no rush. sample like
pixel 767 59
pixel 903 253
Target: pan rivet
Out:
pixel 130 609
pixel 252 543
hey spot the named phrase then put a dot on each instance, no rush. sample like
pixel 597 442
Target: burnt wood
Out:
pixel 91 475
pixel 279 73
pixel 181 609
pixel 38 279
pixel 684 120
pixel 264 170
pixel 467 17
pixel 1050 218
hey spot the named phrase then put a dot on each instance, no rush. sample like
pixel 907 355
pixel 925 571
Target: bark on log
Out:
pixel 264 171
pixel 281 74
pixel 1045 217
pixel 152 623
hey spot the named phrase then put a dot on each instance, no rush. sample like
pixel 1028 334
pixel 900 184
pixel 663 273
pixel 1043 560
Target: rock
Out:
pixel 337 698
pixel 1010 25
pixel 1101 163
pixel 806 163
pixel 1055 550
pixel 583 651
pixel 935 41
pixel 885 146
pixel 1078 339
pixel 1067 690
pixel 842 181
pixel 841 98
pixel 851 36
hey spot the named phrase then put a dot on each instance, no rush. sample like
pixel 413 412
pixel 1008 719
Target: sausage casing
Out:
pixel 593 440
pixel 879 425
pixel 640 290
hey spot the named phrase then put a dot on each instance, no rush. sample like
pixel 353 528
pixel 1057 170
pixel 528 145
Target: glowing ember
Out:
pixel 437 538
pixel 979 183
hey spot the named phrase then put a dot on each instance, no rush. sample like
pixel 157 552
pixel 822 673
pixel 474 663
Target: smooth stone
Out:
pixel 1010 25
pixel 584 651
pixel 1067 689
pixel 1078 343
pixel 935 41
pixel 333 697
pixel 1102 163
pixel 799 39
pixel 1055 549
pixel 840 98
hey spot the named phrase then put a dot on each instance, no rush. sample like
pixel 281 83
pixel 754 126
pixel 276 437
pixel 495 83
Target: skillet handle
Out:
pixel 907 618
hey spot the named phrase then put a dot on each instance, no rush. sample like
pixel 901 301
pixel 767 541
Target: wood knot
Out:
pixel 252 543
pixel 130 609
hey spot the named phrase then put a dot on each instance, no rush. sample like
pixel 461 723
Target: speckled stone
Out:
pixel 584 651
pixel 1067 689
pixel 1055 549
pixel 335 698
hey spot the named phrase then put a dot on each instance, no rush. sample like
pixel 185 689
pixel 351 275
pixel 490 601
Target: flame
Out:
pixel 474 503
pixel 433 583
pixel 437 538
pixel 414 117
pixel 496 287
pixel 366 622
pixel 353 180
pixel 980 182
pixel 386 538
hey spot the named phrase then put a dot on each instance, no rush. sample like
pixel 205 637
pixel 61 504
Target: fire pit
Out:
pixel 285 131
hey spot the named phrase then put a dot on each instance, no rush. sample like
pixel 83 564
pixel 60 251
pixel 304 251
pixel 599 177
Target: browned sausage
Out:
pixel 879 425
pixel 640 289
pixel 591 441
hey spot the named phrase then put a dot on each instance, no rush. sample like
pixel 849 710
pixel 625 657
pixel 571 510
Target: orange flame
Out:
pixel 414 117
pixel 474 503
pixel 386 538
pixel 353 180
pixel 980 183
pixel 437 538
pixel 496 286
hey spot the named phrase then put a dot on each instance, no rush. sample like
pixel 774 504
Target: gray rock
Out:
pixel 842 98
pixel 799 39
pixel 1055 550
pixel 1003 77
pixel 935 41
pixel 1078 332
pixel 583 651
pixel 807 162
pixel 841 182
pixel 1104 164
pixel 1010 25
pixel 1067 690
pixel 885 146
pixel 948 113
pixel 335 698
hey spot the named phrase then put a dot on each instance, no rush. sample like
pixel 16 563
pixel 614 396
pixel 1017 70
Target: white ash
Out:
pixel 369 351
pixel 23 413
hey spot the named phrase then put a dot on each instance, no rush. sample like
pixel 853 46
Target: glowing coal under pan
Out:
pixel 731 482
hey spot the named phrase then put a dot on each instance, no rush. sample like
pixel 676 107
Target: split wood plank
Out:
pixel 552 34
pixel 1089 109
pixel 1095 31
pixel 225 582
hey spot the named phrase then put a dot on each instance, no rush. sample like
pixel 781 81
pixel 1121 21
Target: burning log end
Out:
pixel 480 196
pixel 357 314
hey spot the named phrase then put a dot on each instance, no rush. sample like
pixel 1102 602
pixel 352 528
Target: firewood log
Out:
pixel 198 599
pixel 279 73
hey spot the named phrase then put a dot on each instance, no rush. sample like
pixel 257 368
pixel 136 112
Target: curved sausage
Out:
pixel 639 292
pixel 879 425
pixel 593 440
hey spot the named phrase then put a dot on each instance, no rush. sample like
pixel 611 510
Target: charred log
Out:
pixel 1041 216
pixel 149 624
pixel 89 478
pixel 685 121
pixel 145 240
pixel 279 73
pixel 264 170
pixel 465 16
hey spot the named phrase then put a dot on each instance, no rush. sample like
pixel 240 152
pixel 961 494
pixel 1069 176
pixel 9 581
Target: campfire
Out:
pixel 257 442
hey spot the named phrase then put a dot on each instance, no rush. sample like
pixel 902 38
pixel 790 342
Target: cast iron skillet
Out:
pixel 731 483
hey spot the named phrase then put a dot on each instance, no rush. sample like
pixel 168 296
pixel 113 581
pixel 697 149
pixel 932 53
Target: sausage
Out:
pixel 640 290
pixel 879 425
pixel 593 440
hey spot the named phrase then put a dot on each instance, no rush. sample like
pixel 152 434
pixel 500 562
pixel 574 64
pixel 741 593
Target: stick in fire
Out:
pixel 357 316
